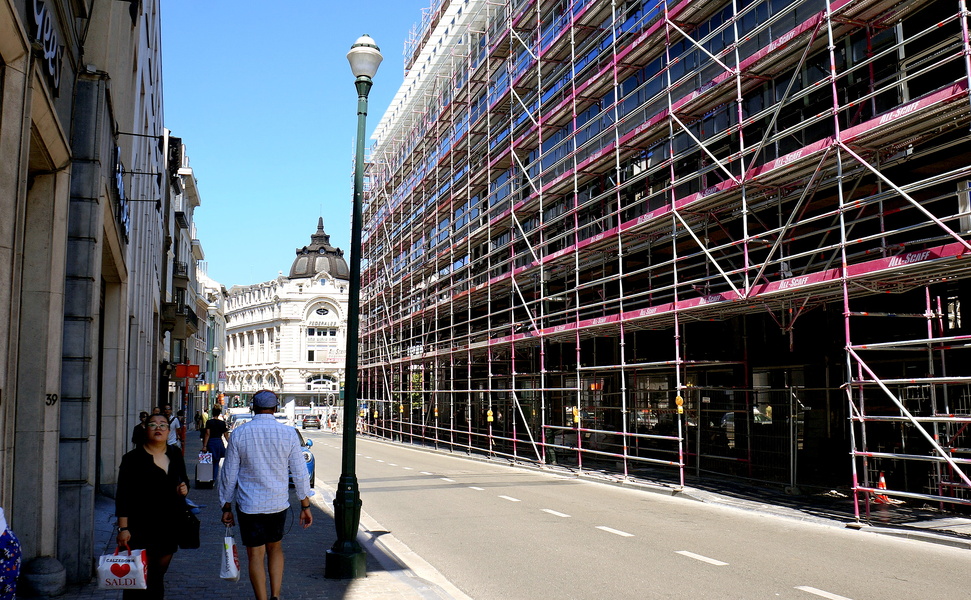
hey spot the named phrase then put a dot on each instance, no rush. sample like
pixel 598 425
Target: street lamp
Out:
pixel 346 559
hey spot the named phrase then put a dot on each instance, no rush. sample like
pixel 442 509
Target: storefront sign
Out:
pixel 46 34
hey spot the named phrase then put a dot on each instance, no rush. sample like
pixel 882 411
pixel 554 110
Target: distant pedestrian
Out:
pixel 174 425
pixel 180 433
pixel 204 418
pixel 149 503
pixel 262 455
pixel 10 557
pixel 138 434
pixel 198 421
pixel 212 440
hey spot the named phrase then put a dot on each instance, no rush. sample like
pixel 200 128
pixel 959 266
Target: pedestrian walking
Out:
pixel 180 432
pixel 262 456
pixel 150 503
pixel 139 434
pixel 174 425
pixel 212 440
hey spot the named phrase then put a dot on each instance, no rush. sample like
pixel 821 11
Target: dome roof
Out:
pixel 319 257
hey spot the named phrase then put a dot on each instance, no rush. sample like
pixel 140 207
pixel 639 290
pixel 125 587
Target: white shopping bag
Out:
pixel 123 571
pixel 230 559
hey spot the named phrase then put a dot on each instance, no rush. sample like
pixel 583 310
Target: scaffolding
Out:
pixel 647 237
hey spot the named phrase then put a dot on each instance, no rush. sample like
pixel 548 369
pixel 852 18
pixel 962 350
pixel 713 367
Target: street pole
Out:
pixel 346 559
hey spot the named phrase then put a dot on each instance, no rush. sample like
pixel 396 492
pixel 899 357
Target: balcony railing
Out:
pixel 180 270
pixel 179 319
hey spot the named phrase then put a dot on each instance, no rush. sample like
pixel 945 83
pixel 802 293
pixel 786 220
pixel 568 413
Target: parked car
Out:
pixel 237 420
pixel 728 424
pixel 311 421
pixel 308 458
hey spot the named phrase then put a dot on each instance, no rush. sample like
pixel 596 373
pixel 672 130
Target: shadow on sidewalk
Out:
pixel 195 573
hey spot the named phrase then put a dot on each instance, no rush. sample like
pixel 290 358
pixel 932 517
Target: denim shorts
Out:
pixel 261 529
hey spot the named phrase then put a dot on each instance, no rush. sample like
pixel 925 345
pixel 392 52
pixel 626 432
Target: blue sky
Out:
pixel 262 96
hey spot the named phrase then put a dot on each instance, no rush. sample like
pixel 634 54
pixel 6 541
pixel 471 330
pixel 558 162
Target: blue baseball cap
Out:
pixel 264 399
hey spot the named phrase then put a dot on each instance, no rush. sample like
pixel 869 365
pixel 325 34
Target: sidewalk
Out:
pixel 195 573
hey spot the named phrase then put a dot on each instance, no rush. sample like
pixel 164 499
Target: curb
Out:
pixel 393 554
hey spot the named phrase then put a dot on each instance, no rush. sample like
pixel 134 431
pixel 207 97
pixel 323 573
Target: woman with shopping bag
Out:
pixel 150 503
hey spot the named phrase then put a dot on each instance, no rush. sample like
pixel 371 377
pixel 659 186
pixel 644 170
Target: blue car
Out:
pixel 308 458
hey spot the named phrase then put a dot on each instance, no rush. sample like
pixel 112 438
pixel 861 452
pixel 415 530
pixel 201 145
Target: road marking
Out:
pixel 447 479
pixel 472 487
pixel 379 460
pixel 554 513
pixel 710 561
pixel 510 498
pixel 365 456
pixel 425 473
pixel 392 465
pixel 614 531
pixel 408 469
pixel 821 593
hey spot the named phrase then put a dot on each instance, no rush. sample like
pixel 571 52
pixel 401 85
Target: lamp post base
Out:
pixel 342 565
pixel 346 559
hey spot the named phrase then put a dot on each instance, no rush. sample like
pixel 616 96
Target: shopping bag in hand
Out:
pixel 230 559
pixel 123 571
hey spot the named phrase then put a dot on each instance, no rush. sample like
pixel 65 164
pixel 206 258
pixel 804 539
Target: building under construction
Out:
pixel 716 239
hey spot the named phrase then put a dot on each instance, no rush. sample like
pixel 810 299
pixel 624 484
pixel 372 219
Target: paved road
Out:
pixel 502 533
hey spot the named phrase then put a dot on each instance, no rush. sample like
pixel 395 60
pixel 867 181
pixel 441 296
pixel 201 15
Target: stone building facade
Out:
pixel 97 200
pixel 289 334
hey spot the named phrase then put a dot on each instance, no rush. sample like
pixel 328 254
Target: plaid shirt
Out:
pixel 259 459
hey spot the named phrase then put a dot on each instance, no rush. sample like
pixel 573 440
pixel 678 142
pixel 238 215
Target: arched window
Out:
pixel 322 383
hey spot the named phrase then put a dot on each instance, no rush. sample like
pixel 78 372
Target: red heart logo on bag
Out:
pixel 120 570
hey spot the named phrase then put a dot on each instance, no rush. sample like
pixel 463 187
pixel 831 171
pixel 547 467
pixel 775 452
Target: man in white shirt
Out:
pixel 261 458
pixel 174 426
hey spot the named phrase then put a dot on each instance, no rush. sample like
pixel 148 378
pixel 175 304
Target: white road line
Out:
pixel 710 561
pixel 365 456
pixel 614 531
pixel 510 498
pixel 478 489
pixel 379 460
pixel 554 513
pixel 392 465
pixel 425 473
pixel 447 479
pixel 821 593
pixel 407 468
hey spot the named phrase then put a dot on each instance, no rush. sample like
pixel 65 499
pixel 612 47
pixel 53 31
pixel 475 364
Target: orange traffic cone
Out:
pixel 881 485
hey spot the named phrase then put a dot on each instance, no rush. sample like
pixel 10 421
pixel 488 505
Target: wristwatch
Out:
pixel 120 529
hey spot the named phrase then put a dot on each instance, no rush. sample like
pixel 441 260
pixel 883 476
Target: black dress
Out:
pixel 139 435
pixel 147 495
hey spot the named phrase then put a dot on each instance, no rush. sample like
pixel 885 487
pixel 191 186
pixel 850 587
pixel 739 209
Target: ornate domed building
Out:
pixel 289 334
pixel 319 257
